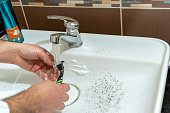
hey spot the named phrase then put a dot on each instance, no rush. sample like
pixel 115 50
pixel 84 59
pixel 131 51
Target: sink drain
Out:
pixel 73 93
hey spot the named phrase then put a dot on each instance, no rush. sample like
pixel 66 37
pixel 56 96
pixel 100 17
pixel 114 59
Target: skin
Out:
pixel 29 57
pixel 44 96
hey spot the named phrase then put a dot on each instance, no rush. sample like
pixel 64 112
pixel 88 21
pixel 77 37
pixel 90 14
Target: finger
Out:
pixel 42 75
pixel 57 73
pixel 61 107
pixel 52 73
pixel 49 54
pixel 65 87
pixel 66 97
pixel 37 66
pixel 46 57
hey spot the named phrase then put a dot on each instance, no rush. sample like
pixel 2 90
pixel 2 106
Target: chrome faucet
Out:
pixel 71 36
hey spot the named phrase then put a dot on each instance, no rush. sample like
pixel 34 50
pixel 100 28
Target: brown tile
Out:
pixel 51 4
pixel 20 17
pixel 92 20
pixel 43 1
pixel 147 22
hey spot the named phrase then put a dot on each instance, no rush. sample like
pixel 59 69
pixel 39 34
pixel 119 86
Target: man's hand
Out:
pixel 36 59
pixel 42 97
pixel 29 57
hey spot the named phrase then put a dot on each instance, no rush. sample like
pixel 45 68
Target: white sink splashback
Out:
pixel 125 74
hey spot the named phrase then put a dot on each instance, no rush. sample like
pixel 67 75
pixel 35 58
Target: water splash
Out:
pixel 16 80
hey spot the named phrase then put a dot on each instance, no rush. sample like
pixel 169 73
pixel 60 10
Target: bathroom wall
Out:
pixel 147 18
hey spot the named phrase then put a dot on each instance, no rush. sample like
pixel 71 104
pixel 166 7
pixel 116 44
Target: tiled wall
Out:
pixel 145 18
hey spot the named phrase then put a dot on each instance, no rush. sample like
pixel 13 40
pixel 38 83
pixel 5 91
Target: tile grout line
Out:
pixel 121 21
pixel 24 14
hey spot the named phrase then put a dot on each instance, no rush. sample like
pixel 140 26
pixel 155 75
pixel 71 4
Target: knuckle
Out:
pixel 62 106
pixel 66 87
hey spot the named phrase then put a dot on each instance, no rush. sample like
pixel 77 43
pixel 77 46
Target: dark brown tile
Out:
pixel 85 5
pixel 147 22
pixel 46 2
pixel 92 20
pixel 147 2
pixel 14 0
pixel 20 17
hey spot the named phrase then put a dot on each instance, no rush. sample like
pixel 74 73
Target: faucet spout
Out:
pixel 72 40
pixel 71 36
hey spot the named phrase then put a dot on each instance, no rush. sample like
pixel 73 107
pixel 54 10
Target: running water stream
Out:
pixel 56 54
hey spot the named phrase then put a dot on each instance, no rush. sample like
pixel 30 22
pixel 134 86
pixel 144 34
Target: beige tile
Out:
pixel 15 3
pixel 110 2
pixel 76 2
pixel 36 3
pixel 67 4
pixel 142 5
pixel 102 5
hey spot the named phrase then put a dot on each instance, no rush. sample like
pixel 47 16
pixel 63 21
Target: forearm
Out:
pixel 19 103
pixel 8 51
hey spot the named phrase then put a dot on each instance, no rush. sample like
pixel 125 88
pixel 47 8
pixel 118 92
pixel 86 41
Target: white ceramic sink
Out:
pixel 126 74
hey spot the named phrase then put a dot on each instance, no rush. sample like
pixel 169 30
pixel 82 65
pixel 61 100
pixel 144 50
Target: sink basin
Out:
pixel 124 74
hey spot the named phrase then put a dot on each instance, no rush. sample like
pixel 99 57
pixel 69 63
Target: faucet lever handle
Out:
pixel 68 22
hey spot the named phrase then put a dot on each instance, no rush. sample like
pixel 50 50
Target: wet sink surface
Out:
pixel 125 74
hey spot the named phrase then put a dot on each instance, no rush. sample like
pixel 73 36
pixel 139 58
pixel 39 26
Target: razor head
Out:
pixel 60 65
